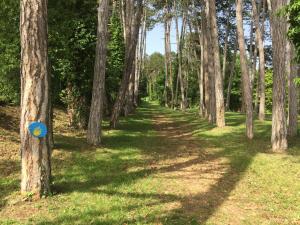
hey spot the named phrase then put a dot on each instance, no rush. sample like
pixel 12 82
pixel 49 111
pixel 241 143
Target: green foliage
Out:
pixel 155 75
pixel 269 89
pixel 72 37
pixel 116 57
pixel 9 52
pixel 293 12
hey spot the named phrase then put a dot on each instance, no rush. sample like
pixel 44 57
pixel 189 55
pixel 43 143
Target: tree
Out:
pixel 293 11
pixel 96 111
pixel 279 40
pixel 132 19
pixel 140 57
pixel 245 73
pixel 220 109
pixel 179 43
pixel 168 56
pixel 35 152
pixel 294 31
pixel 292 91
pixel 231 76
pixel 261 52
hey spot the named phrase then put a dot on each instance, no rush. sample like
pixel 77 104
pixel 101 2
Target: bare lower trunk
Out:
pixel 279 124
pixel 35 152
pixel 292 94
pixel 129 105
pixel 96 112
pixel 219 96
pixel 245 71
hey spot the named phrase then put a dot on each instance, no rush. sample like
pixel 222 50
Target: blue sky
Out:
pixel 155 39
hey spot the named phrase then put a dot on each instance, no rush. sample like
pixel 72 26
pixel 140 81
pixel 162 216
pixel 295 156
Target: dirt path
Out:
pixel 192 172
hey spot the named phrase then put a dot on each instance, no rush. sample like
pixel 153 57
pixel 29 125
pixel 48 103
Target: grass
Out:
pixel 159 167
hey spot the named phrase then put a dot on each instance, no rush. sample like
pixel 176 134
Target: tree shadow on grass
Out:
pixel 85 172
pixel 91 173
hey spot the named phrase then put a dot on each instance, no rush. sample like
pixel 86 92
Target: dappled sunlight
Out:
pixel 160 167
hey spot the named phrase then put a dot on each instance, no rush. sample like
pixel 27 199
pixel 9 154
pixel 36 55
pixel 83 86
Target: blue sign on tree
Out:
pixel 38 129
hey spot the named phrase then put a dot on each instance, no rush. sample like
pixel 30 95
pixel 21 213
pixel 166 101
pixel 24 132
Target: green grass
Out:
pixel 162 167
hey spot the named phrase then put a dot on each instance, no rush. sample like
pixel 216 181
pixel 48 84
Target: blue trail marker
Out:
pixel 37 129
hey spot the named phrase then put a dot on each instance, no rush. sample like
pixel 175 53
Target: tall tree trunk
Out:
pixel 251 51
pixel 211 68
pixel 245 71
pixel 292 92
pixel 169 92
pixel 180 42
pixel 279 124
pixel 132 24
pixel 129 102
pixel 96 111
pixel 231 76
pixel 219 96
pixel 166 61
pixel 205 62
pixel 195 64
pixel 226 43
pixel 35 152
pixel 201 73
pixel 140 59
pixel 261 52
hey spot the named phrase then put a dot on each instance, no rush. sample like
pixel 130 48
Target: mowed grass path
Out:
pixel 158 167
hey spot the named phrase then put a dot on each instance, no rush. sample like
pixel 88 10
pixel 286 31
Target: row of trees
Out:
pixel 57 64
pixel 225 26
pixel 36 79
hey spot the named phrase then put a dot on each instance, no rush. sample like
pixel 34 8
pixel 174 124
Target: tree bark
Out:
pixel 168 92
pixel 204 65
pixel 179 41
pixel 35 152
pixel 166 23
pixel 96 112
pixel 261 52
pixel 218 80
pixel 226 44
pixel 201 73
pixel 292 92
pixel 129 104
pixel 140 59
pixel 132 24
pixel 279 124
pixel 245 71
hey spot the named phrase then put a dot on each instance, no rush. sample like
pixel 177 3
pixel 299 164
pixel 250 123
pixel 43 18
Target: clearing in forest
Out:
pixel 158 167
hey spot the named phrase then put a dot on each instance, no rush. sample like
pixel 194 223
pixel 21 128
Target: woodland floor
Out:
pixel 159 167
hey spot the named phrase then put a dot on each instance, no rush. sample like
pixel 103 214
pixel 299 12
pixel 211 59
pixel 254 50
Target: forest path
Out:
pixel 192 168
